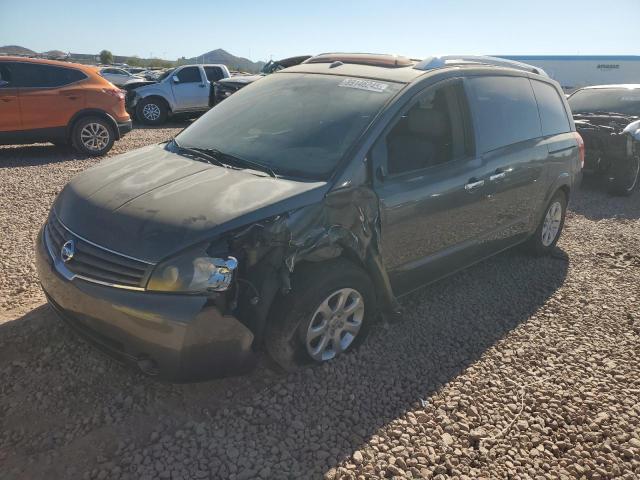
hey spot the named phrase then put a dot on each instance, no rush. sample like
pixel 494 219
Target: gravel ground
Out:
pixel 515 368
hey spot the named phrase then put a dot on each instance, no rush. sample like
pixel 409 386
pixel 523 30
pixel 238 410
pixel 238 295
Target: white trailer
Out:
pixel 576 71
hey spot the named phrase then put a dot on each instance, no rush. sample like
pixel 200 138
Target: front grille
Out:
pixel 94 263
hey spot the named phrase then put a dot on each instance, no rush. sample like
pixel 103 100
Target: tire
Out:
pixel 295 314
pixel 93 136
pixel 626 177
pixel 152 111
pixel 546 236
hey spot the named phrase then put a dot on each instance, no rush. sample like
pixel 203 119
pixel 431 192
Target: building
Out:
pixel 575 71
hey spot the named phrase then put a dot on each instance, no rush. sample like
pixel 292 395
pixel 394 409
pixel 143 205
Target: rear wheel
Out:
pixel 152 111
pixel 548 232
pixel 327 312
pixel 626 177
pixel 93 136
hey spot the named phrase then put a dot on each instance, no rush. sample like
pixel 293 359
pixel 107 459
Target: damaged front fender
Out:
pixel 345 224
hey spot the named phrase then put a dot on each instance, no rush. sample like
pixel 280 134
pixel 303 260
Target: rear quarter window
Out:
pixel 504 111
pixel 553 115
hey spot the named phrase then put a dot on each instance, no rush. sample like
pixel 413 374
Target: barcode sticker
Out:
pixel 368 85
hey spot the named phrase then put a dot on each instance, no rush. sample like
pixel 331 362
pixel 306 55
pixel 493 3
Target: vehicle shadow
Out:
pixel 295 425
pixel 593 201
pixel 32 155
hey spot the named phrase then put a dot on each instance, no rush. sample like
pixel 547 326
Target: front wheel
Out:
pixel 626 177
pixel 151 111
pixel 328 311
pixel 548 232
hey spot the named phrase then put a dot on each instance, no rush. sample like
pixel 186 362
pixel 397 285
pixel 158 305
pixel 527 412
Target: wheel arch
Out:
pixel 91 112
pixel 564 184
pixel 156 94
pixel 385 298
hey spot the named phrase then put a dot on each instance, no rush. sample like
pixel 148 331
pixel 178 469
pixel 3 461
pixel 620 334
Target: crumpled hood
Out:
pixel 151 203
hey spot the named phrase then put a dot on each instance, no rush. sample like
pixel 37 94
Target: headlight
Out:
pixel 193 272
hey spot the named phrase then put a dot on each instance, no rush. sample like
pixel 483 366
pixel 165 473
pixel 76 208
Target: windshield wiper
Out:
pixel 199 153
pixel 238 161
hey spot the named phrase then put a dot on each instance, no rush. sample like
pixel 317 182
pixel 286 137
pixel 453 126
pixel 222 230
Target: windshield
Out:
pixel 618 100
pixel 268 67
pixel 298 125
pixel 165 74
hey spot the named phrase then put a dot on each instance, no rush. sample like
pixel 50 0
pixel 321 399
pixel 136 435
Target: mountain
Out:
pixel 16 50
pixel 224 57
pixel 214 56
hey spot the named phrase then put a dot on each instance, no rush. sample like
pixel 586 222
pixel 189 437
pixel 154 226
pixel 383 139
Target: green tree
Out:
pixel 106 57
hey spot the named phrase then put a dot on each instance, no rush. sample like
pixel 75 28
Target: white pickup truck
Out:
pixel 183 89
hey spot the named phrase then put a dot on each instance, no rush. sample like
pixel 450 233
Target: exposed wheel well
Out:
pixel 566 190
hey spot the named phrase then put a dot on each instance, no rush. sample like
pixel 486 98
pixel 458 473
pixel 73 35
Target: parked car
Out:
pixel 59 102
pixel 153 74
pixel 180 90
pixel 118 76
pixel 228 86
pixel 136 70
pixel 293 212
pixel 608 118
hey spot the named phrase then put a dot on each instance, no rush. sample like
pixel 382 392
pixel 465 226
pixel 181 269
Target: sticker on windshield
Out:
pixel 368 85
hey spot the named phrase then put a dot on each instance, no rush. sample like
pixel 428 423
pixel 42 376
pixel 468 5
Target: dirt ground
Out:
pixel 518 367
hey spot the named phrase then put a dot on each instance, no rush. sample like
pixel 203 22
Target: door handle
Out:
pixel 497 176
pixel 8 98
pixel 473 185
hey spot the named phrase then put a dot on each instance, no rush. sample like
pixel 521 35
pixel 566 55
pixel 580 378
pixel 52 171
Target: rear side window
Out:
pixel 33 75
pixel 552 112
pixel 189 75
pixel 214 73
pixel 504 110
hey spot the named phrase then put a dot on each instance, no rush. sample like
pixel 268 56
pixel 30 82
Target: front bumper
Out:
pixel 178 337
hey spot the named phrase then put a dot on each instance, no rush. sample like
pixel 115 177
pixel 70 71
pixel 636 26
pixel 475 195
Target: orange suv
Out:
pixel 59 102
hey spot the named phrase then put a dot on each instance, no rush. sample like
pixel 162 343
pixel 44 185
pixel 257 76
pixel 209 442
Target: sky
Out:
pixel 266 29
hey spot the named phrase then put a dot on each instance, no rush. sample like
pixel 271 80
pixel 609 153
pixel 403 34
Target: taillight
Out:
pixel 119 94
pixel 580 148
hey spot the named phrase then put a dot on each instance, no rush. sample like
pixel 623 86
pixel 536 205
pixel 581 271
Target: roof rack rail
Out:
pixel 430 63
pixel 371 59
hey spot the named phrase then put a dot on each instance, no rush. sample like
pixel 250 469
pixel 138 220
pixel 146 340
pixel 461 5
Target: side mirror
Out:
pixel 3 83
pixel 176 79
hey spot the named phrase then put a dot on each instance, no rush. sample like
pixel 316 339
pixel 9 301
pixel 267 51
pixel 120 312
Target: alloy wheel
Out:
pixel 151 111
pixel 335 324
pixel 551 225
pixel 94 137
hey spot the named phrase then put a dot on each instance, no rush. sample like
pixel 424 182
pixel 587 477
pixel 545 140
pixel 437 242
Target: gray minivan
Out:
pixel 294 212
